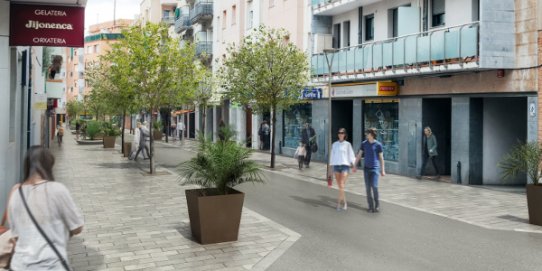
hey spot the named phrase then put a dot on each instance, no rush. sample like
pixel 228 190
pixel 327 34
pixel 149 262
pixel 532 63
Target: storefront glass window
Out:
pixel 294 118
pixel 384 116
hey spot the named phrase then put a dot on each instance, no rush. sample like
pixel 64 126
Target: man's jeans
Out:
pixel 371 186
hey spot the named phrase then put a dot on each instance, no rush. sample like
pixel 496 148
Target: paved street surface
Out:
pixel 487 208
pixel 139 222
pixel 399 238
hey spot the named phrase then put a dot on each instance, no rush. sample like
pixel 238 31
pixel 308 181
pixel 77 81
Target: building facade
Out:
pixel 451 65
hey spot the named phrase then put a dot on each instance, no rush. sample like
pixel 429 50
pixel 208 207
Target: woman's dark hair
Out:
pixel 371 131
pixel 39 160
pixel 345 133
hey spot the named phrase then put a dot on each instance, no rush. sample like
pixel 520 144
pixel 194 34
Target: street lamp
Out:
pixel 328 52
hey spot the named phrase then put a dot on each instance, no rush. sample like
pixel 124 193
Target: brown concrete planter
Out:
pixel 214 218
pixel 127 148
pixel 157 135
pixel 534 203
pixel 109 141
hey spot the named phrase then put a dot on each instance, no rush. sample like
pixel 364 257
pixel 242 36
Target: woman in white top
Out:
pixel 53 209
pixel 135 142
pixel 342 159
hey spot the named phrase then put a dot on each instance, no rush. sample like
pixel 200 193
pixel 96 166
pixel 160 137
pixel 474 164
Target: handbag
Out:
pixel 314 147
pixel 6 244
pixel 62 260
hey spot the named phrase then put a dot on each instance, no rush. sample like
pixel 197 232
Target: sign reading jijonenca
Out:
pixel 40 25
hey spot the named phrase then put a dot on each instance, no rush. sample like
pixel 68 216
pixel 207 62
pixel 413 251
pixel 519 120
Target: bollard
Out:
pixel 280 147
pixel 459 172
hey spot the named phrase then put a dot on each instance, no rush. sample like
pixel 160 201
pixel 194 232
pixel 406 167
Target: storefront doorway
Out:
pixel 437 114
pixel 342 118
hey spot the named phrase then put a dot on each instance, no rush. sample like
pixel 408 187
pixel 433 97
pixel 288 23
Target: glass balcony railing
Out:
pixel 410 53
pixel 202 10
pixel 182 23
pixel 321 2
pixel 204 47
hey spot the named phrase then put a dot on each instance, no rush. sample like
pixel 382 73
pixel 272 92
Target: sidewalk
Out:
pixel 138 222
pixel 487 208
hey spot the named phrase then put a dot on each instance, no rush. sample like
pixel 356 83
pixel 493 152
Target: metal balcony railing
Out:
pixel 203 10
pixel 182 23
pixel 168 20
pixel 451 47
pixel 204 47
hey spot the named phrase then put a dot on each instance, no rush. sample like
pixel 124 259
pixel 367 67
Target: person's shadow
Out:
pixel 327 202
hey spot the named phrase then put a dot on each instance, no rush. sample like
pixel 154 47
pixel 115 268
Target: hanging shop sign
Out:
pixel 372 89
pixel 387 88
pixel 312 93
pixel 41 25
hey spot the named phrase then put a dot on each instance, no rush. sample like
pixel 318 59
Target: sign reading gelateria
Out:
pixel 41 25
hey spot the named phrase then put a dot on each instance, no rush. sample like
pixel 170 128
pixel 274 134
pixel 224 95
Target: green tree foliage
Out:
pixel 155 69
pixel 73 108
pixel 265 72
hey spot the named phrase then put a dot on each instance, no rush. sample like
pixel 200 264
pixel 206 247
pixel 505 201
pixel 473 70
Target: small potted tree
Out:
pixel 215 208
pixel 110 134
pixel 92 130
pixel 527 158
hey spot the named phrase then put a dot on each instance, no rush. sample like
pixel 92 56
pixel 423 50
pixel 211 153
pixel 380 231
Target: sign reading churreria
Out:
pixel 40 25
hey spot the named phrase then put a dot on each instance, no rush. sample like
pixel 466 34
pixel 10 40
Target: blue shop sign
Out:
pixel 312 93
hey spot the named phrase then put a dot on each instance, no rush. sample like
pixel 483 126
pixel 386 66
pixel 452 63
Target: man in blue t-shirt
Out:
pixel 373 166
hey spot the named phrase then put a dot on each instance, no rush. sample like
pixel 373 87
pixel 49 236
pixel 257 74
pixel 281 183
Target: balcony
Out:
pixel 168 20
pixel 204 47
pixel 336 7
pixel 182 23
pixel 202 11
pixel 437 51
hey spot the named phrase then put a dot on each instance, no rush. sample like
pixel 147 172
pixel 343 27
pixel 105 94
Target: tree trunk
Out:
pixel 168 124
pixel 151 145
pixel 204 119
pixel 273 123
pixel 122 131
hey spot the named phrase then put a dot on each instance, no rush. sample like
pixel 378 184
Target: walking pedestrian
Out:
pixel 342 159
pixel 60 133
pixel 300 154
pixel 261 137
pixel 42 216
pixel 221 132
pixel 266 131
pixel 144 139
pixel 180 130
pixel 308 137
pixel 429 152
pixel 373 166
pixel 77 129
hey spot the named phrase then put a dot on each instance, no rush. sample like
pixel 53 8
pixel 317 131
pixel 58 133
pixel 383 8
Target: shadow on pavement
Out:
pixel 326 201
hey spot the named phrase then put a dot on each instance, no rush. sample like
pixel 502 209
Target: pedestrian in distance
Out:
pixel 77 129
pixel 180 130
pixel 60 133
pixel 42 216
pixel 373 166
pixel 144 139
pixel 136 142
pixel 261 137
pixel 342 159
pixel 300 154
pixel 429 152
pixel 308 137
pixel 221 127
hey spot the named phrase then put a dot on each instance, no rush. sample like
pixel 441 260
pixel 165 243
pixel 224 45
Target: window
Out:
pixel 336 36
pixel 346 33
pixel 96 49
pixel 224 14
pixel 437 13
pixel 89 49
pixel 394 22
pixel 250 20
pixel 71 89
pixel 294 120
pixel 233 15
pixel 384 116
pixel 369 27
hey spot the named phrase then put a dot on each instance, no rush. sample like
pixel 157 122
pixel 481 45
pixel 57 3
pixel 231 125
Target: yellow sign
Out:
pixel 40 105
pixel 387 88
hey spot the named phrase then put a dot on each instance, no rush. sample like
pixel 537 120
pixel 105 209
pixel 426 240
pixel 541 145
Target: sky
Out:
pixel 98 11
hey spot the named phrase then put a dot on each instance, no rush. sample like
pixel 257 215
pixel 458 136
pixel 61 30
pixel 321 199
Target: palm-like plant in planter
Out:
pixel 215 209
pixel 527 158
pixel 111 131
